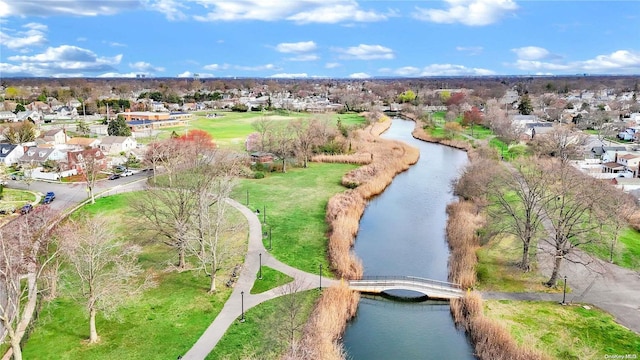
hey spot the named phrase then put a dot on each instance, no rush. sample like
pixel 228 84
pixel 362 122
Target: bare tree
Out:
pixel 563 142
pixel 280 143
pixel 169 212
pixel 108 272
pixel 24 254
pixel 573 202
pixel 612 215
pixel 91 162
pixel 521 195
pixel 263 126
pixel 287 327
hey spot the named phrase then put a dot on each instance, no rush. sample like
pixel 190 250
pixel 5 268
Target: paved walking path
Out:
pixel 591 280
pixel 232 309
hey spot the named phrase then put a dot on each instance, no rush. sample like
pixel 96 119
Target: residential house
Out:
pixel 117 144
pixel 261 157
pixel 82 159
pixel 38 155
pixel 626 184
pixel 625 162
pixel 630 162
pixel 83 142
pixel 10 153
pixel 7 116
pixel 29 115
pixel 55 137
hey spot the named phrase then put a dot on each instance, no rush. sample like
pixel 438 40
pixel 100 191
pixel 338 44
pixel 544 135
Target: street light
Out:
pixel 320 288
pixel 260 271
pixel 264 214
pixel 247 197
pixel 564 291
pixel 242 302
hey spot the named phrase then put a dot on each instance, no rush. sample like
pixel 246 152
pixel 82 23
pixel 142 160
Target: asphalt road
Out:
pixel 69 195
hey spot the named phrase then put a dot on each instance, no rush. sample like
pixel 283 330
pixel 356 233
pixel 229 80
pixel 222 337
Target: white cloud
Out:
pixel 304 57
pixel 298 47
pixel 438 70
pixel 471 50
pixel 299 11
pixel 145 67
pixel 33 36
pixel 189 74
pixel 468 12
pixel 366 52
pixel 332 65
pixel 65 59
pixel 532 53
pixel 64 7
pixel 116 44
pixel 359 75
pixel 170 8
pixel 256 68
pixel 289 76
pixel 620 61
pixel 118 75
pixel 216 67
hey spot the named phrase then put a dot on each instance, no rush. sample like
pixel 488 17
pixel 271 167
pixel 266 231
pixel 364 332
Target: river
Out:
pixel 402 232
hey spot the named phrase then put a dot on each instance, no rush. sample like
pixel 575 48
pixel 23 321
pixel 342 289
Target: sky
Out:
pixel 356 39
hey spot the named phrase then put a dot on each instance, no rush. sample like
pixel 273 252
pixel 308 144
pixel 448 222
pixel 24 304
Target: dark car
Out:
pixel 26 209
pixel 48 197
pixel 114 176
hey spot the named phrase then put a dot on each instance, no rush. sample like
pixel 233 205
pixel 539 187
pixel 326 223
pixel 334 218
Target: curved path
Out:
pixel 232 309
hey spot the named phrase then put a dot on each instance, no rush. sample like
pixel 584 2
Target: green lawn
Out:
pixel 166 320
pixel 260 335
pixel 565 332
pixel 626 253
pixel 271 278
pixel 295 204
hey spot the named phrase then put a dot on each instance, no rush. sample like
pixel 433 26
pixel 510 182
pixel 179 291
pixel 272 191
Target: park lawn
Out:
pixel 260 335
pixel 479 132
pixel 564 332
pixel 626 253
pixel 497 268
pixel 11 195
pixel 271 278
pixel 166 319
pixel 232 128
pixel 348 119
pixel 295 204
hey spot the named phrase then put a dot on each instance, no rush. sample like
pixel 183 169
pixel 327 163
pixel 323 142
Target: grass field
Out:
pixel 261 335
pixel 626 253
pixel 295 204
pixel 565 332
pixel 497 268
pixel 230 129
pixel 271 278
pixel 166 320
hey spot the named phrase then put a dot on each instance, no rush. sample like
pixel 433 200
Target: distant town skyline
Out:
pixel 317 38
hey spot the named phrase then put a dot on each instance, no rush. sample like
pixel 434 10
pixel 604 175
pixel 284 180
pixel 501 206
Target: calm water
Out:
pixel 402 232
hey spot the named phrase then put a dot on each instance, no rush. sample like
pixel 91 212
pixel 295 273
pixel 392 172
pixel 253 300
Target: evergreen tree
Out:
pixel 118 127
pixel 525 107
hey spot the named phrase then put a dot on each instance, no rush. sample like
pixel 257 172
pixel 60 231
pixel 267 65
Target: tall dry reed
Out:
pixel 462 226
pixel 357 158
pixel 344 210
pixel 321 336
pixel 491 340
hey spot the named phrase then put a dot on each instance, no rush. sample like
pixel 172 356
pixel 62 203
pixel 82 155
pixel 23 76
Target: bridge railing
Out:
pixel 413 279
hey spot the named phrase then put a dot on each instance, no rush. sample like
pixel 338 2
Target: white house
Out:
pixel 117 144
pixel 55 137
pixel 7 116
pixel 10 153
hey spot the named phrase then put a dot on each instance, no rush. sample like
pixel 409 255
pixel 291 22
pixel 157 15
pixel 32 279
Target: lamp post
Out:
pixel 242 304
pixel 320 287
pixel 260 270
pixel 564 291
pixel 247 197
pixel 264 214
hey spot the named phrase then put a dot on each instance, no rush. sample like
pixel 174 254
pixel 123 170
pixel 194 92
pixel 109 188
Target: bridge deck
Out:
pixel 430 288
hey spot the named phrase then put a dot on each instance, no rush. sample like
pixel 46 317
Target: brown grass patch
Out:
pixel 358 158
pixel 462 227
pixel 491 340
pixel 321 337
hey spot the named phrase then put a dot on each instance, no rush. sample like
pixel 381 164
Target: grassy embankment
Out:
pixel 499 335
pixel 166 319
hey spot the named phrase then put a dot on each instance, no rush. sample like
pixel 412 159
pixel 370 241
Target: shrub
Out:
pixel 258 175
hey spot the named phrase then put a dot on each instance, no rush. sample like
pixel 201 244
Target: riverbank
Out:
pixel 338 304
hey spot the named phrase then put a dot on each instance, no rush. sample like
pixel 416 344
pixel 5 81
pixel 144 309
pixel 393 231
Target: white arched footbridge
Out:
pixel 431 288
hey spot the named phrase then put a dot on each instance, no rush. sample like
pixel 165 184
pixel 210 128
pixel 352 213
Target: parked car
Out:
pixel 26 209
pixel 114 176
pixel 127 173
pixel 48 197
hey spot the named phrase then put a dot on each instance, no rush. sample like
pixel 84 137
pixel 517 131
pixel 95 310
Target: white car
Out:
pixel 127 173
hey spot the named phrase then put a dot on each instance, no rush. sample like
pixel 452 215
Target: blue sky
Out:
pixel 317 38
